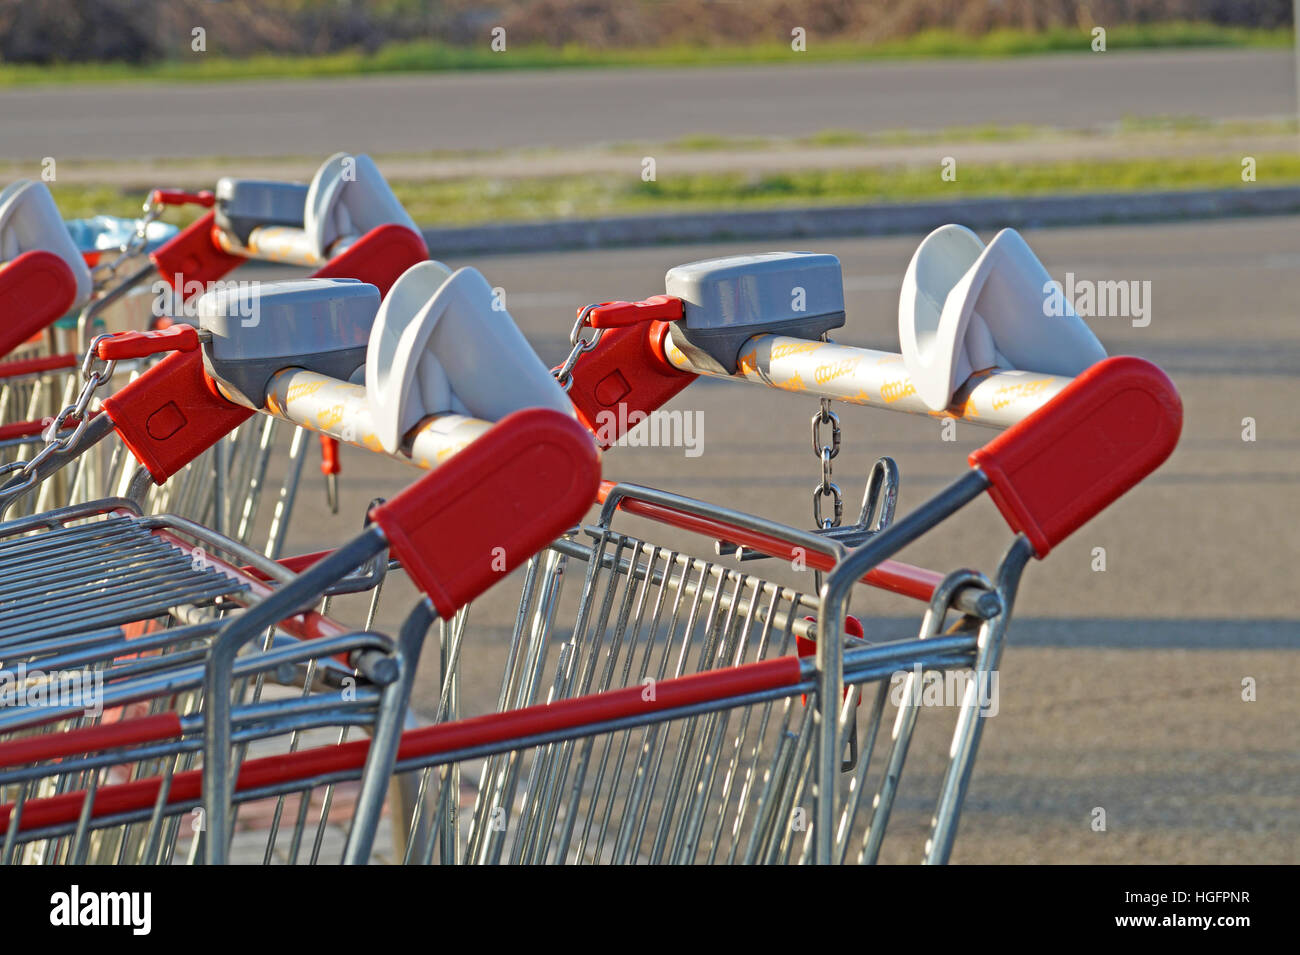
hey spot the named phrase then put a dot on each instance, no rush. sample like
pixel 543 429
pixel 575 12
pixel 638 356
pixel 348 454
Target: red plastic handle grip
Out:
pixel 142 344
pixel 170 415
pixel 462 527
pixel 657 308
pixel 192 257
pixel 180 197
pixel 36 289
pixel 1058 468
pixel 379 257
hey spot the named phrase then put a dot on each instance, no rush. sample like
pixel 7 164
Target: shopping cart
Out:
pixel 672 727
pixel 204 696
pixel 733 778
pixel 668 725
pixel 116 573
pixel 351 227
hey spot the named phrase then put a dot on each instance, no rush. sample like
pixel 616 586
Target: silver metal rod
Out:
pixel 876 379
pixel 339 409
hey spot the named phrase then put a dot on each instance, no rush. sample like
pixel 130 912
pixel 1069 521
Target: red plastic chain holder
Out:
pixel 36 289
pixel 1058 468
pixel 462 527
pixel 182 197
pixel 627 371
pixel 379 257
pixel 656 308
pixel 170 415
pixel 142 344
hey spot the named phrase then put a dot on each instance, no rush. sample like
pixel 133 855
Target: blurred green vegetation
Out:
pixel 479 200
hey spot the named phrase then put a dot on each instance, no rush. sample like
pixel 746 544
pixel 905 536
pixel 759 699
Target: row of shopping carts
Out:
pixel 172 689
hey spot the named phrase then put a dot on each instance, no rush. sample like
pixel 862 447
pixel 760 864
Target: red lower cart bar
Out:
pixel 90 739
pixel 37 366
pixel 30 429
pixel 431 741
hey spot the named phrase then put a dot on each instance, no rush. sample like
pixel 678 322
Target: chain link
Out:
pixel 580 345
pixel 131 247
pixel 92 378
pixel 826 453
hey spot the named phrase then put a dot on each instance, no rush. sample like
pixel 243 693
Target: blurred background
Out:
pixel 1170 125
pixel 544 109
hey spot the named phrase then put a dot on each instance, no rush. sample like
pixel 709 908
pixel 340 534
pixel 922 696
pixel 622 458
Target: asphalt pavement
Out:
pixel 569 108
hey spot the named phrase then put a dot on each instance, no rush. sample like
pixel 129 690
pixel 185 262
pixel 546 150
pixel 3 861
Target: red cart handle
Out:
pixel 142 344
pixel 179 197
pixel 1062 465
pixel 379 257
pixel 493 505
pixel 662 308
pixel 36 289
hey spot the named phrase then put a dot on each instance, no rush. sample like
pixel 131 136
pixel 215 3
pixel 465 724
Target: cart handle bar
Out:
pixel 378 257
pixel 1048 474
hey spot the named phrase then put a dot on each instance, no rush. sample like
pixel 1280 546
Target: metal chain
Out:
pixel 93 378
pixel 131 247
pixel 826 453
pixel 580 345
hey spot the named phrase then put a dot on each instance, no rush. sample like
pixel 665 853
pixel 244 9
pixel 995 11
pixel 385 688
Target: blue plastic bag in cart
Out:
pixel 105 233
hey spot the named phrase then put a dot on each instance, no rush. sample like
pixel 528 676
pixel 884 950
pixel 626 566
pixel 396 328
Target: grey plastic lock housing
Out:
pixel 246 204
pixel 258 329
pixel 726 301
